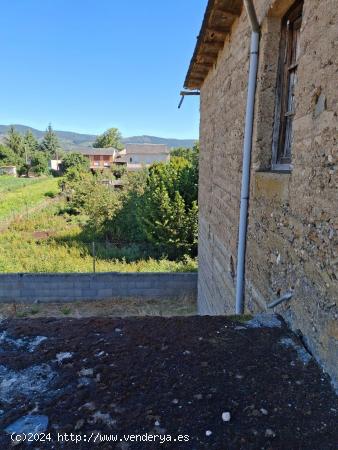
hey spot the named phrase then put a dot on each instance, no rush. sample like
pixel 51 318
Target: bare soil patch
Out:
pixel 123 307
pixel 166 376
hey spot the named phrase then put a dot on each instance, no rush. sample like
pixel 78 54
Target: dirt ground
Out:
pixel 218 383
pixel 106 308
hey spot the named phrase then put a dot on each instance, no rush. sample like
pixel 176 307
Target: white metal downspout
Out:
pixel 245 190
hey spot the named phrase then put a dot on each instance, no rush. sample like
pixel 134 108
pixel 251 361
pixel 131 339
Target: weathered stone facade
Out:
pixel 293 220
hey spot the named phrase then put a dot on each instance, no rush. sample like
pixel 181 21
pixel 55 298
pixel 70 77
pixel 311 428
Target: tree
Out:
pixel 157 206
pixel 186 152
pixel 30 143
pixel 76 161
pixel 39 163
pixel 126 226
pixel 15 142
pixel 8 157
pixel 50 144
pixel 110 138
pixel 168 210
pixel 118 170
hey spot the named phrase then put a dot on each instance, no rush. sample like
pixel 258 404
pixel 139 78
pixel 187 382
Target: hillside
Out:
pixel 158 140
pixel 69 139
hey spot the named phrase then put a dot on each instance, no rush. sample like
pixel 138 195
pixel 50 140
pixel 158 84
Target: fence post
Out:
pixel 94 257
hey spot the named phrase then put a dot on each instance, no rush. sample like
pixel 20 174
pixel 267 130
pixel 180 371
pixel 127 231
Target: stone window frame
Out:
pixel 286 82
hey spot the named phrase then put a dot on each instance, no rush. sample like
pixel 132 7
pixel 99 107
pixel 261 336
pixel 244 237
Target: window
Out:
pixel 286 83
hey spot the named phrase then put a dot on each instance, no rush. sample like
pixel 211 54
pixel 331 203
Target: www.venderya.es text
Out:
pixel 98 437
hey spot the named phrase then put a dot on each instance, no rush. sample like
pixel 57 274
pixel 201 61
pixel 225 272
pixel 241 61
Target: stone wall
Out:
pixel 69 287
pixel 293 223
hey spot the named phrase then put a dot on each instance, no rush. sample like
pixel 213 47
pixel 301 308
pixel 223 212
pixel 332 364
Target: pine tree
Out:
pixel 50 144
pixel 14 141
pixel 31 145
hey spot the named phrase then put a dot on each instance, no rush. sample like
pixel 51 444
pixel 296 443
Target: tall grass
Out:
pixel 10 183
pixel 48 241
pixel 19 199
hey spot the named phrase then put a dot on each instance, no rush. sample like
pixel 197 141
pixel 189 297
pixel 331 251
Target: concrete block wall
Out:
pixel 68 287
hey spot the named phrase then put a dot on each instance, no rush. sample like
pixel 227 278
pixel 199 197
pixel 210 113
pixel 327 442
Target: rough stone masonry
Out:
pixel 293 223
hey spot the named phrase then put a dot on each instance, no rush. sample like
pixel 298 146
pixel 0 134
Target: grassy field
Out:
pixel 18 195
pixel 9 183
pixel 48 241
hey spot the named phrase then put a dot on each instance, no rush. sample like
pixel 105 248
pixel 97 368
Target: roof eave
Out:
pixel 218 19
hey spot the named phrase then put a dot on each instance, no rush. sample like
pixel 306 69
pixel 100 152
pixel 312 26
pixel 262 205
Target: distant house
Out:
pixel 54 164
pixel 136 156
pixel 100 158
pixel 8 170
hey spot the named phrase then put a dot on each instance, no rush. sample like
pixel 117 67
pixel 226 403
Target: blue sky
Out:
pixel 87 65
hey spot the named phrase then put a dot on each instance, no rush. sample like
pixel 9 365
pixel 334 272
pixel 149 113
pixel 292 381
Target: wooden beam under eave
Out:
pixel 219 30
pixel 203 64
pixel 230 7
pixel 195 84
pixel 215 36
pixel 196 78
pixel 207 53
pixel 199 73
pixel 203 58
pixel 223 13
pixel 217 45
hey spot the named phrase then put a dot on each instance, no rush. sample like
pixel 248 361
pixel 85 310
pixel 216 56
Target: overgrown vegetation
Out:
pixel 157 206
pixel 52 241
pixel 19 195
pixel 148 223
pixel 27 154
pixel 9 183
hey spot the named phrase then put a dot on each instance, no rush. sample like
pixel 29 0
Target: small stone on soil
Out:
pixel 62 356
pixel 269 433
pixel 105 418
pixel 226 416
pixel 89 405
pixel 86 372
pixel 208 433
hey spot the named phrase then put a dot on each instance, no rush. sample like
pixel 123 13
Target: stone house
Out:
pixel 291 245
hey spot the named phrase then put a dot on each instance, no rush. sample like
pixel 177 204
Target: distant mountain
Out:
pixel 70 140
pixel 159 140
